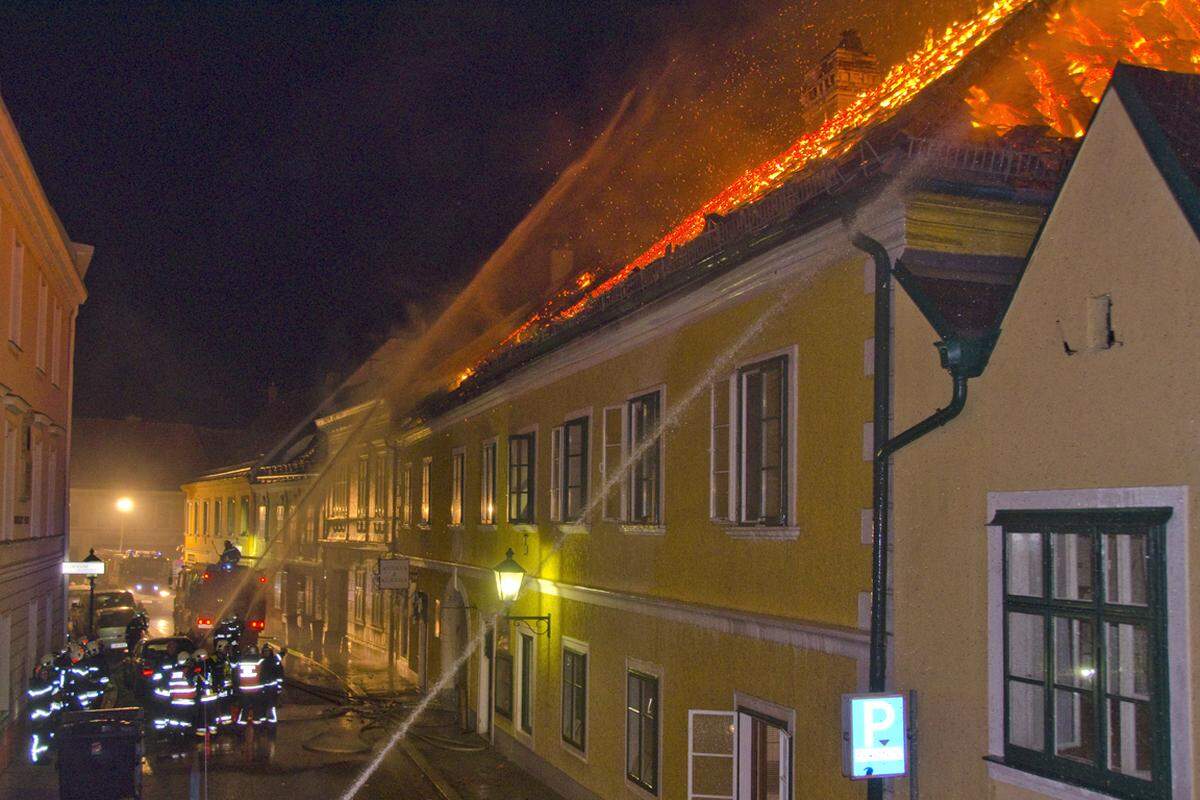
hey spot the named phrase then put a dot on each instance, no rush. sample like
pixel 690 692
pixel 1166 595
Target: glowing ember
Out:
pixel 1054 81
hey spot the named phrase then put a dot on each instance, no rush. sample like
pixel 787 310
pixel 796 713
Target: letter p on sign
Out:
pixel 874 736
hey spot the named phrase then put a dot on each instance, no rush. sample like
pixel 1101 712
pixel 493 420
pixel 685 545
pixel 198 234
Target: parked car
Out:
pixel 114 599
pixel 110 625
pixel 148 655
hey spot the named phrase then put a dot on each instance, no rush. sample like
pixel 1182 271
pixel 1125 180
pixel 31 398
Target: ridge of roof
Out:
pixel 1165 110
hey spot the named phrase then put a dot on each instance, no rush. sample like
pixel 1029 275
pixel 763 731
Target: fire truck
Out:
pixel 205 595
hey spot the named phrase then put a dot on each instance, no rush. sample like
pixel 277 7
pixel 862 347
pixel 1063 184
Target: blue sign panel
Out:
pixel 874 733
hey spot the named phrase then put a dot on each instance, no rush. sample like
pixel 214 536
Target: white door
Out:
pixel 712 755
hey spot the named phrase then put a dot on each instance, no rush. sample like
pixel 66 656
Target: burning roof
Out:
pixel 1025 70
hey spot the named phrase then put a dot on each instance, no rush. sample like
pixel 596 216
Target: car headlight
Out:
pixel 138 587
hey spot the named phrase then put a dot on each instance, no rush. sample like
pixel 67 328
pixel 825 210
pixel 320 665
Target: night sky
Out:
pixel 272 189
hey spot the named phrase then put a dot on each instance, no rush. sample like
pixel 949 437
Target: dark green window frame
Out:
pixel 521 476
pixel 645 474
pixel 574 698
pixel 1091 684
pixel 528 665
pixel 574 454
pixel 641 730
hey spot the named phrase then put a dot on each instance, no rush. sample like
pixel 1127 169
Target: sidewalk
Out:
pixel 463 766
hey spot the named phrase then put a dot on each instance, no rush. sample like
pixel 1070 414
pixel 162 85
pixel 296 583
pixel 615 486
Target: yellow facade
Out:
pixel 217 509
pixel 762 618
pixel 1112 424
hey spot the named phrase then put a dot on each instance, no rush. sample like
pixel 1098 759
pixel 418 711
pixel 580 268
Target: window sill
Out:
pixel 487 527
pixel 524 527
pixel 770 533
pixel 456 526
pixel 570 528
pixel 573 750
pixel 1012 776
pixel 643 530
pixel 424 526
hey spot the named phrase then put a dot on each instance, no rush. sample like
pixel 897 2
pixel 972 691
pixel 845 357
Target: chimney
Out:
pixel 562 264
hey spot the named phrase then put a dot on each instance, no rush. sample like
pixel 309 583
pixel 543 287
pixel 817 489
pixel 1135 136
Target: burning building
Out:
pixel 684 453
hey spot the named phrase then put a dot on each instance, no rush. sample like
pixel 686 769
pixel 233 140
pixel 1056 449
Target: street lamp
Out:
pixel 125 506
pixel 510 576
pixel 92 558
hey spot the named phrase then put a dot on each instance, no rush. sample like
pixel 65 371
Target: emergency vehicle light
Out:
pixel 257 624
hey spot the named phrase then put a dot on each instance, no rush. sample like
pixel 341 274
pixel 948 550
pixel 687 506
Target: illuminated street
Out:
pixel 606 400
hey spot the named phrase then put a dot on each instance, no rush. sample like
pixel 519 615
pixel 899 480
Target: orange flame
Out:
pixel 1060 78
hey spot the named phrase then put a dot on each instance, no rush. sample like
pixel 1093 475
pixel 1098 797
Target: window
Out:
pixel 641 730
pixel 11 432
pixel 504 684
pixel 56 345
pixel 520 477
pixel 574 698
pixel 575 469
pixel 645 447
pixel 217 529
pixel 205 528
pixel 764 757
pixel 556 476
pixel 749 463
pixel 42 322
pixel 244 517
pixel 52 502
pixel 527 666
pixel 458 470
pixel 1085 670
pixel 614 426
pixel 406 495
pixel 487 484
pixel 16 286
pixel 377 606
pixel 360 596
pixel 231 516
pixel 426 477
pixel 382 480
pixel 195 518
pixel 362 489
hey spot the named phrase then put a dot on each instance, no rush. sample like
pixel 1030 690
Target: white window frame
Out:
pixel 619 486
pixel 584 649
pixel 487 482
pixel 1178 590
pixel 36 466
pixel 406 503
pixel 747 705
pixel 458 485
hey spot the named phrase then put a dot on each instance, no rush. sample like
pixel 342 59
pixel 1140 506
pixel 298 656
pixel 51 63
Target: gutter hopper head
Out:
pixel 964 298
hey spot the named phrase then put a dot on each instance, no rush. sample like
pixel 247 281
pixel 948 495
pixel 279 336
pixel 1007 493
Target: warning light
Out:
pixel 257 624
pixel 262 578
pixel 207 576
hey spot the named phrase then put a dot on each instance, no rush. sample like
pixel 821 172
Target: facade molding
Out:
pixel 827 639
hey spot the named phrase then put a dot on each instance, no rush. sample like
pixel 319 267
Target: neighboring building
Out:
pixel 1046 548
pixel 41 289
pixel 840 76
pixel 145 461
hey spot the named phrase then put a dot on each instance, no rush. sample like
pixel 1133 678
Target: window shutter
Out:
pixel 613 428
pixel 712 755
pixel 720 482
pixel 556 452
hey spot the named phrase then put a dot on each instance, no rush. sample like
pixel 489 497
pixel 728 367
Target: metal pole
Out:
pixel 91 605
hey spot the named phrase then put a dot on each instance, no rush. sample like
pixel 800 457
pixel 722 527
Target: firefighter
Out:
pixel 247 683
pixel 229 630
pixel 270 674
pixel 44 707
pixel 207 696
pixel 176 696
pixel 221 679
pixel 135 630
pixel 230 555
pixel 79 689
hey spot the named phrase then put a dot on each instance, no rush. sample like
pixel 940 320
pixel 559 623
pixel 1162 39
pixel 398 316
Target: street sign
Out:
pixel 83 568
pixel 393 573
pixel 874 736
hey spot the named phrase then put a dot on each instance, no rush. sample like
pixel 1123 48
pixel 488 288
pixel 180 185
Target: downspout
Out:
pixel 881 465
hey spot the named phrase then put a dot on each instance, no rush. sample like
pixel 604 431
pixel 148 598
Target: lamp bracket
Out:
pixel 528 619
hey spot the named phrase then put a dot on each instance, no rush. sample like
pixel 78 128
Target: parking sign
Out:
pixel 874 736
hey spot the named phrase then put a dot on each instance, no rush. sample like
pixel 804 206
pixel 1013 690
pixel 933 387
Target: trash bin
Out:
pixel 100 754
